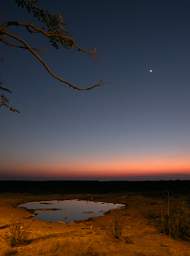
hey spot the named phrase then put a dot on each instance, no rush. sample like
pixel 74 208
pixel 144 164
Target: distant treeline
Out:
pixel 95 187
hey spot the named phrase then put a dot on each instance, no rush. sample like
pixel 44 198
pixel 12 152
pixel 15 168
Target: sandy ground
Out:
pixel 87 238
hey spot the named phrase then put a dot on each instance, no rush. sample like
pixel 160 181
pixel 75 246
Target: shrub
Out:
pixel 116 229
pixel 172 218
pixel 17 235
pixel 175 220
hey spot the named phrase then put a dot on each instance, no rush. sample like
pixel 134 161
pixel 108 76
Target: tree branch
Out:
pixel 8 43
pixel 36 55
pixel 5 89
pixel 68 40
pixel 4 102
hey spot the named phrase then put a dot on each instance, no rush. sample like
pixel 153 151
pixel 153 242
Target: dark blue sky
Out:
pixel 136 119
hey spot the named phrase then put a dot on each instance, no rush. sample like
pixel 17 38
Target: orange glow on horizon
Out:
pixel 109 168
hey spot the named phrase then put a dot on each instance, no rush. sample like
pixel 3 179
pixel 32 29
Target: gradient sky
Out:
pixel 137 124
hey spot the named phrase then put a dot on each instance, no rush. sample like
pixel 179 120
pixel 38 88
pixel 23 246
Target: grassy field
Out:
pixel 139 229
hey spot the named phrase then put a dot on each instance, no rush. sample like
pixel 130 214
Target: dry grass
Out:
pixel 67 247
pixel 124 232
pixel 175 221
pixel 17 235
pixel 90 252
pixel 9 252
pixel 172 217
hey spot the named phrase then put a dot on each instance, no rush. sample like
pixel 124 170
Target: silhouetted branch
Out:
pixel 6 42
pixel 68 40
pixel 53 28
pixel 36 55
pixel 4 102
pixel 5 89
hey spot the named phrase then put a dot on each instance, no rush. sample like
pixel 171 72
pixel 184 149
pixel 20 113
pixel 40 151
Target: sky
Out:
pixel 136 125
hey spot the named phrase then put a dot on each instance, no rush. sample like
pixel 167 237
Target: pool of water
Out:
pixel 69 210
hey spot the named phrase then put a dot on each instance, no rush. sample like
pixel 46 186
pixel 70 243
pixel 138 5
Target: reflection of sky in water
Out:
pixel 69 210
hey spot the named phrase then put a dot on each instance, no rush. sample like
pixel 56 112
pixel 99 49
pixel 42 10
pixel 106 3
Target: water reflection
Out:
pixel 69 210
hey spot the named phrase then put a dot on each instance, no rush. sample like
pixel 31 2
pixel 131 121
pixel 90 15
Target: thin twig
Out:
pixel 50 34
pixel 5 89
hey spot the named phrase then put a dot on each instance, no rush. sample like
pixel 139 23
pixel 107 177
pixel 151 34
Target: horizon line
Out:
pixel 103 179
